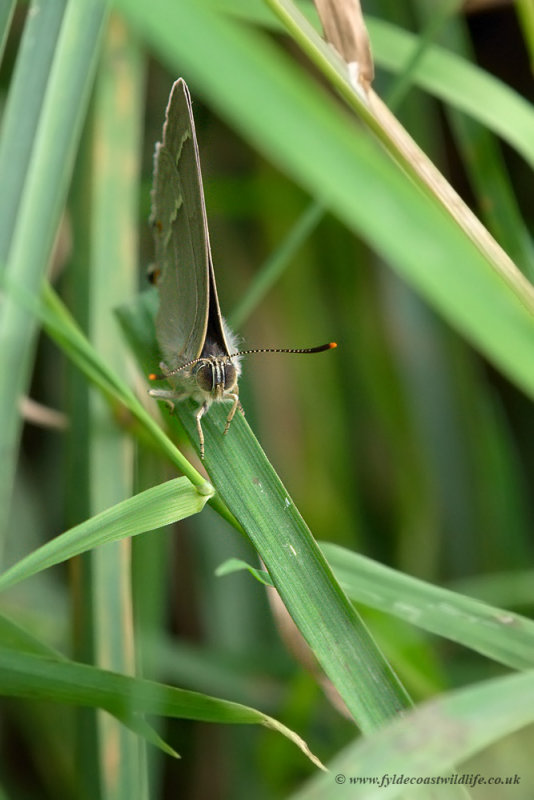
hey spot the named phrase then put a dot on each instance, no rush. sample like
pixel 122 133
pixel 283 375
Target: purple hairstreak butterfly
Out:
pixel 199 350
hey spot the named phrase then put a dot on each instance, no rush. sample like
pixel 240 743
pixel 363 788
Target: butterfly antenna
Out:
pixel 321 349
pixel 161 376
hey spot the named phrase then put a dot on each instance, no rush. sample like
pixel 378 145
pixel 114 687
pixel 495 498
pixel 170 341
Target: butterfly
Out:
pixel 200 353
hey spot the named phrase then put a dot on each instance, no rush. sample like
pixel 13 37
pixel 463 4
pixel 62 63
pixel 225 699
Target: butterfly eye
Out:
pixel 205 376
pixel 230 376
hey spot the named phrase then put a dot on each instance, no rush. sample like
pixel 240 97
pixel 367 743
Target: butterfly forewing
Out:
pixel 181 233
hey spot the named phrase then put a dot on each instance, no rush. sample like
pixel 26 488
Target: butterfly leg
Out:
pixel 198 416
pixel 165 394
pixel 169 395
pixel 235 405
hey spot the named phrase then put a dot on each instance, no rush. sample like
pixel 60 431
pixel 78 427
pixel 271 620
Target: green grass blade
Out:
pixel 402 147
pixel 148 510
pixel 508 588
pixel 18 640
pixel 31 676
pixel 6 14
pixel 432 741
pixel 460 84
pixel 443 74
pixel 484 162
pixel 57 135
pixel 116 138
pixel 525 13
pixel 273 268
pixel 14 637
pixel 435 23
pixel 23 108
pixel 254 494
pixel 494 632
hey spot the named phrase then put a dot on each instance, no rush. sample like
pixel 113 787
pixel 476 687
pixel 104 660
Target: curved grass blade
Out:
pixel 145 511
pixel 41 205
pixel 498 634
pixel 32 676
pixel 429 742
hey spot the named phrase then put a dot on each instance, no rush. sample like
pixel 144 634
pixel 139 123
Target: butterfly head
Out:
pixel 216 376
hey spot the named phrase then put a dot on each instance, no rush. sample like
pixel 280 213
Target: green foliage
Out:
pixel 406 451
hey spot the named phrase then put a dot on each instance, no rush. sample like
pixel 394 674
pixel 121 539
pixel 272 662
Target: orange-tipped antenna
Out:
pixel 154 376
pixel 320 349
